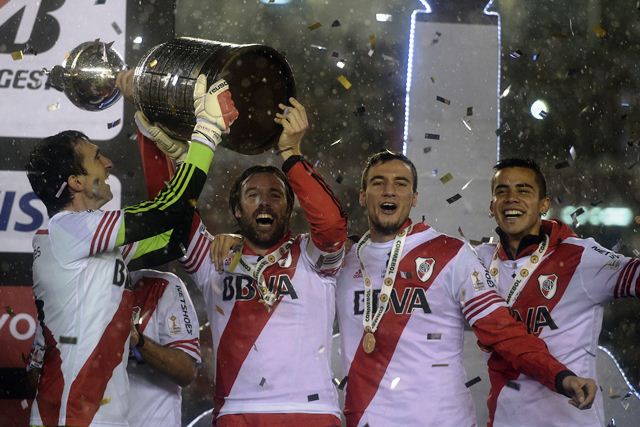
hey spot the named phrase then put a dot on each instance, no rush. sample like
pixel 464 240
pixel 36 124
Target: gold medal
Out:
pixel 524 272
pixel 388 281
pixel 384 297
pixel 494 271
pixel 271 259
pixel 534 258
pixel 368 342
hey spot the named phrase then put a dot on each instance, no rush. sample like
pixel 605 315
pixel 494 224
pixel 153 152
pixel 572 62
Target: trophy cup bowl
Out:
pixel 259 78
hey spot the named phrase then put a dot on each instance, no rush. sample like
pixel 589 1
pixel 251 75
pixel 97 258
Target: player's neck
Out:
pixel 380 237
pixel 79 203
pixel 514 240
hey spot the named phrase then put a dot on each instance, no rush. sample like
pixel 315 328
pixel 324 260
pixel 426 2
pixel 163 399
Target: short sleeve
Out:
pixel 178 322
pixel 77 235
pixel 473 287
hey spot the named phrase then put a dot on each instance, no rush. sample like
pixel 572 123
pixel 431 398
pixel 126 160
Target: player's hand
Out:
pixel 135 336
pixel 221 245
pixel 124 82
pixel 215 111
pixel 581 390
pixel 294 125
pixel 174 148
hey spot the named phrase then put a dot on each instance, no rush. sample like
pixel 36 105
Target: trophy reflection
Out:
pixel 259 77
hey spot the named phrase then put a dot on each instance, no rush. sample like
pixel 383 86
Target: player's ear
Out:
pixel 491 214
pixel 414 200
pixel 362 199
pixel 75 182
pixel 237 213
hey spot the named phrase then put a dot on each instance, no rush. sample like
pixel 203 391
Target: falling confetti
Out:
pixel 360 110
pixel 339 179
pixel 105 401
pixel 338 141
pixel 394 383
pixel 314 26
pixel 340 383
pixel 504 128
pixel 469 111
pixel 572 152
pixel 113 124
pixel 439 365
pixel 335 54
pixel 432 136
pixel 219 310
pixel 116 28
pixel 313 397
pixel 100 2
pixel 599 31
pixel 516 54
pixel 446 178
pixel 24 404
pixel 454 198
pixel 466 185
pixel 514 385
pixel 317 46
pixel 321 349
pixel 384 17
pixel 68 340
pixel 535 56
pixel 434 336
pixel 53 107
pixel 344 82
pixel 426 150
pixel 263 381
pixel 472 381
pixel 596 203
pixel 505 93
pixel 372 40
pixel 153 63
pixel 443 100
pixel 467 125
pixel 433 79
pixel 335 23
pixel 9 310
pixel 17 55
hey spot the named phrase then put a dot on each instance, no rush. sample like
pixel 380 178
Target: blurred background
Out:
pixel 569 78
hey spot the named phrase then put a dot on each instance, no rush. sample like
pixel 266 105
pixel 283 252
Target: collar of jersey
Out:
pixel 555 229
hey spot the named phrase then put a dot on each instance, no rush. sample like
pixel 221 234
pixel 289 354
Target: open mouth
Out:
pixel 388 207
pixel 264 219
pixel 512 213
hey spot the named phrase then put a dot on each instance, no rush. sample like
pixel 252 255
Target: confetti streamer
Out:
pixel 454 198
pixel 446 178
pixel 116 28
pixel 432 136
pixel 68 340
pixel 443 100
pixel 314 26
pixel 466 185
pixel 472 382
pixel 344 82
pixel 336 142
pixel 514 385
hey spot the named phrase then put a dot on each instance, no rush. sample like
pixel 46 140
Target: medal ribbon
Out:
pixel 527 269
pixel 267 297
pixel 370 322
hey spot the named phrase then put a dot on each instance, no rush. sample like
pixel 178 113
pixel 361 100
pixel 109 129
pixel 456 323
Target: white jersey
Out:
pixel 81 290
pixel 562 303
pixel 274 361
pixel 168 318
pixel 415 375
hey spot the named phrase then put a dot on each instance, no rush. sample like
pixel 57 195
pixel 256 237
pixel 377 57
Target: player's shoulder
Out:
pixel 486 250
pixel 436 240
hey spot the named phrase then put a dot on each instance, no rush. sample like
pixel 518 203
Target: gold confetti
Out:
pixel 153 63
pixel 105 401
pixel 219 310
pixel 372 40
pixel 53 107
pixel 17 55
pixel 193 202
pixel 446 178
pixel 344 82
pixel 314 26
pixel 599 31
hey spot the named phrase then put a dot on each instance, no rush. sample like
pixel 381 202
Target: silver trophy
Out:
pixel 259 78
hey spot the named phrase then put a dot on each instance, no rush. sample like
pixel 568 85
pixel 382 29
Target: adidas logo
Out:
pixel 358 274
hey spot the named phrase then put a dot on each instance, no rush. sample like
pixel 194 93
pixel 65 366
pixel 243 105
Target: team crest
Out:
pixel 424 268
pixel 548 285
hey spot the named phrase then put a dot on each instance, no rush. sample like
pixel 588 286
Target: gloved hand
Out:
pixel 175 149
pixel 215 111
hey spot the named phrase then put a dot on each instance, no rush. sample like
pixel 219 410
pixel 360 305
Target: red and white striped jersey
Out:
pixel 562 303
pixel 415 374
pixel 81 288
pixel 167 317
pixel 277 361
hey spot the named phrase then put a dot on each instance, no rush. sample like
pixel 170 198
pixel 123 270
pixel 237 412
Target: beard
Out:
pixel 385 229
pixel 261 239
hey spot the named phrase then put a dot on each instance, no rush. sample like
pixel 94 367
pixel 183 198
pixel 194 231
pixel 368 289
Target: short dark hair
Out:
pixel 522 163
pixel 236 188
pixel 52 161
pixel 384 157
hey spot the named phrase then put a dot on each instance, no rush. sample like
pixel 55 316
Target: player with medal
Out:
pixel 555 283
pixel 271 306
pixel 403 296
